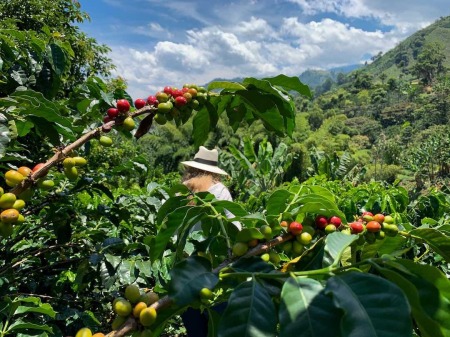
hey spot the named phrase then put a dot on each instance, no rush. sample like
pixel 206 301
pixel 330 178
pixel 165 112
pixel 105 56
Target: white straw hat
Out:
pixel 205 160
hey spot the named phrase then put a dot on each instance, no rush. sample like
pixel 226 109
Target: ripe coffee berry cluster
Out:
pixel 121 110
pixel 173 103
pixel 330 224
pixel 374 226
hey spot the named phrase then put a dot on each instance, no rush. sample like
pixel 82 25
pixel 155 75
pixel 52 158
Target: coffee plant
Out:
pixel 312 259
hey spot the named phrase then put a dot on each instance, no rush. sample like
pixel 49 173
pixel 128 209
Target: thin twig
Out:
pixel 59 156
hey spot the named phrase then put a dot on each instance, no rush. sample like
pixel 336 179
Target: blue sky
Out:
pixel 157 43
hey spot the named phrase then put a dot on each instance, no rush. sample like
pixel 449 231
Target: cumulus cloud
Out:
pixel 261 46
pixel 405 16
pixel 215 52
pixel 334 43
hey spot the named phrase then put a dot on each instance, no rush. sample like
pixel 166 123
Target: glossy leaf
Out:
pixel 58 59
pixel 437 240
pixel 265 109
pixel 213 322
pixel 277 202
pixel 225 85
pixel 250 313
pixel 304 308
pixel 175 221
pixel 390 245
pixel 188 277
pixel 335 244
pixel 232 207
pixel 5 137
pixel 372 306
pixel 20 324
pixel 290 83
pixel 171 204
pixel 42 308
pixel 247 234
pixel 252 264
pixel 430 312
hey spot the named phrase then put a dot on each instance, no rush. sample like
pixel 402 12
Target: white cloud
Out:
pixel 406 16
pixel 260 46
pixel 255 28
pixel 154 30
pixel 213 52
pixel 332 41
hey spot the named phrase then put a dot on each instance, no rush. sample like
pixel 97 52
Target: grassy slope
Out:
pixel 436 32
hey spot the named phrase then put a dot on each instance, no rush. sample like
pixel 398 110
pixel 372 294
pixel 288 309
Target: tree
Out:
pixel 430 63
pixel 56 23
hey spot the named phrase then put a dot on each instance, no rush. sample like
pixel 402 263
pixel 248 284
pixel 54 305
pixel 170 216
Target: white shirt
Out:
pixel 222 193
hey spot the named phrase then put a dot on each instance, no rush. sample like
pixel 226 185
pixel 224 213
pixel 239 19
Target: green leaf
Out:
pixel 438 241
pixel 165 317
pixel 32 103
pixel 428 221
pixel 387 246
pixel 169 206
pixel 204 121
pixel 42 308
pixel 266 87
pixel 265 109
pixel 236 111
pixel 23 127
pixel 372 306
pixel 19 76
pixel 243 160
pixel 188 277
pixel 335 244
pixel 252 264
pixel 20 324
pixel 201 124
pixel 232 207
pixel 213 322
pixel 430 312
pixel 225 85
pixel 5 135
pixel 249 151
pixel 277 202
pixel 103 189
pixel 57 59
pixel 183 233
pixel 247 234
pixel 322 191
pixel 290 83
pixel 250 313
pixel 175 220
pixel 304 308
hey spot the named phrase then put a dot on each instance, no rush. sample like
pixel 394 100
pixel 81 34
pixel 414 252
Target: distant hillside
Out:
pixel 315 77
pixel 400 60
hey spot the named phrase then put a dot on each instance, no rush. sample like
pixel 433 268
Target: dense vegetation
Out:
pixel 369 142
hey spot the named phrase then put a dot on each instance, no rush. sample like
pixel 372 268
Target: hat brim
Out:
pixel 204 167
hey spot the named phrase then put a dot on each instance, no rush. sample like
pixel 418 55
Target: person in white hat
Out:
pixel 203 174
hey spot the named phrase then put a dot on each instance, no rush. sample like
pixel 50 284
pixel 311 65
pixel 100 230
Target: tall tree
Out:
pixel 56 21
pixel 430 63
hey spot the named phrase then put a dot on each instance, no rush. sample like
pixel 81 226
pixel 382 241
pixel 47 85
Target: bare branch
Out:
pixel 60 155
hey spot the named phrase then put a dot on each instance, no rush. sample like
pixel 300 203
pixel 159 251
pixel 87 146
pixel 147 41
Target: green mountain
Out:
pixel 400 60
pixel 315 77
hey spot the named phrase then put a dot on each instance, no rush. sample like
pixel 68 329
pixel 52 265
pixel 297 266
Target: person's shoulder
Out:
pixel 220 191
